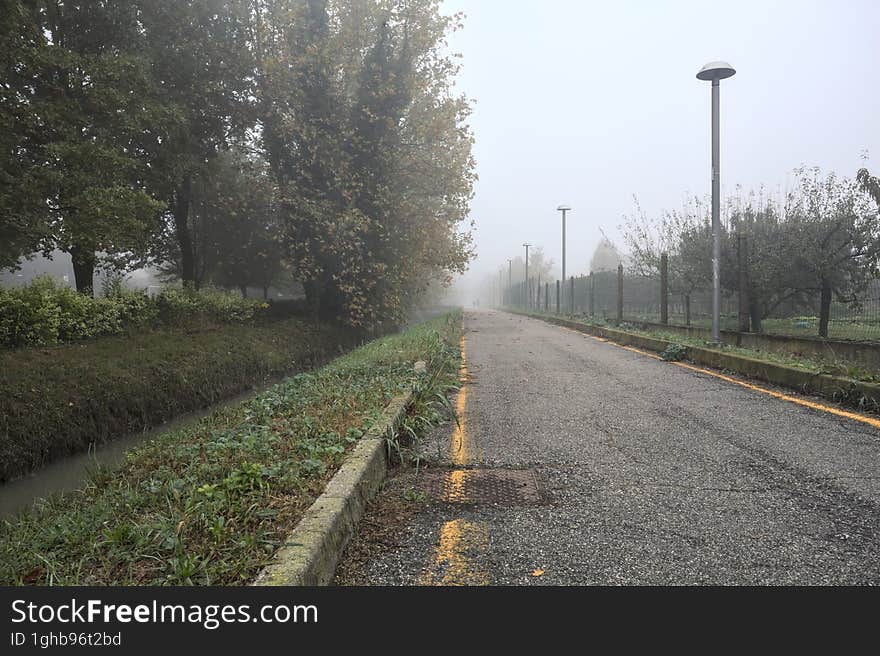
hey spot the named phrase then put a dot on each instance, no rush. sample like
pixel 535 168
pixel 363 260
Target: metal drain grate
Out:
pixel 506 487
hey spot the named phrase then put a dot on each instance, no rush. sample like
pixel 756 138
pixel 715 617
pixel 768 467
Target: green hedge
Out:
pixel 57 400
pixel 44 312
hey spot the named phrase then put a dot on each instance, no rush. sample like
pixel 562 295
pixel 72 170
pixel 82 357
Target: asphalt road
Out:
pixel 649 473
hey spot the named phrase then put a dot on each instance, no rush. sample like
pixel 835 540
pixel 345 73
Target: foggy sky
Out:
pixel 590 103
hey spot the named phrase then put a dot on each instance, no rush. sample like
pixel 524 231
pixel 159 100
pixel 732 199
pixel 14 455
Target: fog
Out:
pixel 591 104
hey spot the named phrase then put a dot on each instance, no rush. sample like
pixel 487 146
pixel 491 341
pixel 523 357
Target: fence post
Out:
pixel 592 294
pixel 743 283
pixel 572 296
pixel 619 293
pixel 557 296
pixel 546 296
pixel 664 289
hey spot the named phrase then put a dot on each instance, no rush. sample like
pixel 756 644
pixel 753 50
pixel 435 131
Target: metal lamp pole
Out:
pixel 500 287
pixel 563 209
pixel 715 72
pixel 527 274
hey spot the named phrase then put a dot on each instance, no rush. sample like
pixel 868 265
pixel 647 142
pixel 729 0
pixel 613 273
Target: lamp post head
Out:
pixel 563 208
pixel 716 70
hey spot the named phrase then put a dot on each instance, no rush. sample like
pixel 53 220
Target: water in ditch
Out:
pixel 71 472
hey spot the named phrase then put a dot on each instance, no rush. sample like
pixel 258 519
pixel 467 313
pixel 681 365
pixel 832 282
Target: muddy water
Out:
pixel 70 473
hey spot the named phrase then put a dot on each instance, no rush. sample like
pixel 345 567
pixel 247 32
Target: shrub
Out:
pixel 28 315
pixel 176 306
pixel 45 313
pixel 674 353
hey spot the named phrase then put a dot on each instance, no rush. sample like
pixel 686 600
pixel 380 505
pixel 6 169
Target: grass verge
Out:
pixel 812 364
pixel 210 504
pixel 58 400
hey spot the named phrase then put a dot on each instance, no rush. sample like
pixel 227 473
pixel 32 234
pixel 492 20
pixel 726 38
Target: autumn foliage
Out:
pixel 239 143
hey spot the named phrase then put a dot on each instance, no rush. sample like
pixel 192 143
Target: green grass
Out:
pixel 58 400
pixel 210 504
pixel 813 364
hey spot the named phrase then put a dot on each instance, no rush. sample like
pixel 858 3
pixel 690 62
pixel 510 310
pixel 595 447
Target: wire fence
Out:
pixel 621 296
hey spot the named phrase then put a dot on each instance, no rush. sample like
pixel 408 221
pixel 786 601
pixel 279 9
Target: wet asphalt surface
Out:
pixel 649 474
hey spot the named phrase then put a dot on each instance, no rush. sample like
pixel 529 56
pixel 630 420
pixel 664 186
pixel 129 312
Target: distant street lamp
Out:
pixel 527 274
pixel 715 72
pixel 563 209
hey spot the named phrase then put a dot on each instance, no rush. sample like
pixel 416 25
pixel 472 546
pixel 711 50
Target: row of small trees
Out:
pixel 233 141
pixel 819 244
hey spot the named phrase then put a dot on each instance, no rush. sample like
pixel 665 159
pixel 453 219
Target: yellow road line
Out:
pixel 453 486
pixel 459 447
pixel 455 557
pixel 454 562
pixel 814 405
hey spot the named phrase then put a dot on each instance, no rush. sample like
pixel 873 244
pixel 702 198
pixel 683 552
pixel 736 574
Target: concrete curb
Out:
pixel 311 552
pixel 836 388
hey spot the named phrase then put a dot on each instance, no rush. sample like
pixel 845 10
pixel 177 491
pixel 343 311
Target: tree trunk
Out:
pixel 181 209
pixel 313 292
pixel 619 293
pixel 265 293
pixel 243 289
pixel 84 262
pixel 664 289
pixel 824 308
pixel 743 283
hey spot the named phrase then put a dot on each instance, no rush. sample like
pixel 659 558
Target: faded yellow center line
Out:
pixel 453 486
pixel 462 445
pixel 455 560
pixel 459 446
pixel 455 557
pixel 806 403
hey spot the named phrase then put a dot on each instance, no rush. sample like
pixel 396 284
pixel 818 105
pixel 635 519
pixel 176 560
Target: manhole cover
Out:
pixel 508 487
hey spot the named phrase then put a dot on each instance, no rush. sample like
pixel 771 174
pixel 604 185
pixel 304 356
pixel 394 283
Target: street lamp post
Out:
pixel 500 287
pixel 563 209
pixel 715 72
pixel 527 275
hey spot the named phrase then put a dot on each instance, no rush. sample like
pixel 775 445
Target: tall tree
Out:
pixel 870 184
pixel 371 151
pixel 87 103
pixel 23 225
pixel 833 240
pixel 606 257
pixel 200 56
